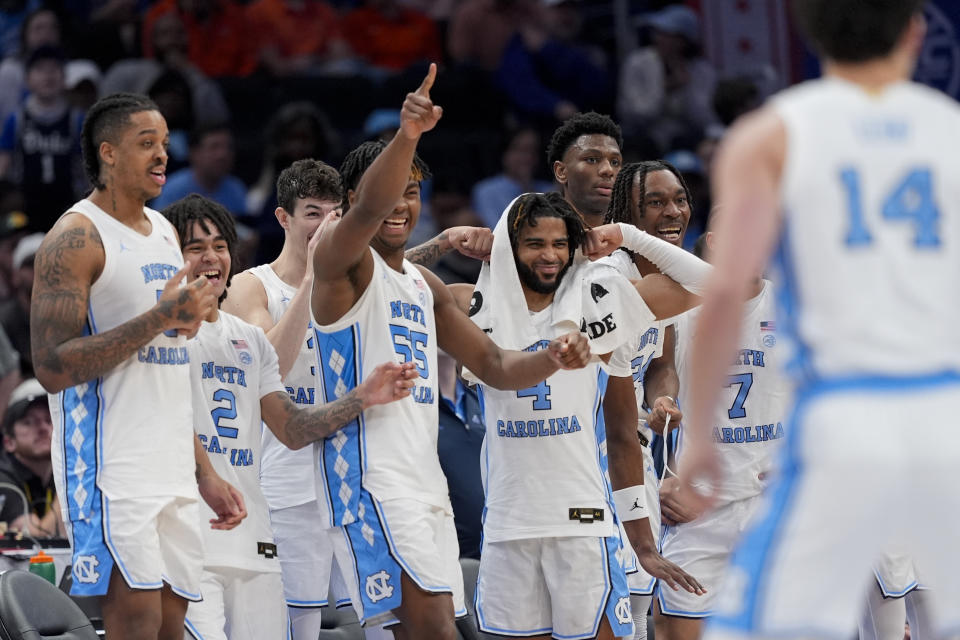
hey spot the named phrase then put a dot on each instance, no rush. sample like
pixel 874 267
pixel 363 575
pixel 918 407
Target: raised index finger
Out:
pixel 427 84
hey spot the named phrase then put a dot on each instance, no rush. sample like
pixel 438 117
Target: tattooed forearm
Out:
pixel 304 426
pixel 427 253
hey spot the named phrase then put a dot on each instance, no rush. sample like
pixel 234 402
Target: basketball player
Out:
pixel 276 297
pixel 653 197
pixel 384 482
pixel 584 155
pixel 550 532
pixel 107 317
pixel 851 179
pixel 236 382
pixel 748 424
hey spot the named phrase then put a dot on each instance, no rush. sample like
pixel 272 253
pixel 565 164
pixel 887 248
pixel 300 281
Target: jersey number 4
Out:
pixel 910 201
pixel 540 395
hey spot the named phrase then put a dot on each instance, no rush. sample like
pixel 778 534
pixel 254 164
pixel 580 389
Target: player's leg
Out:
pixel 181 554
pixel 882 618
pixel 640 605
pixel 423 614
pixel 254 606
pixel 206 619
pixel 131 613
pixel 669 627
pixel 511 573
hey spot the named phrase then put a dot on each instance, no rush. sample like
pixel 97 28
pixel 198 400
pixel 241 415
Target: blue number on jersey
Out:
pixel 745 380
pixel 540 394
pixel 410 345
pixel 911 201
pixel 172 333
pixel 639 368
pixel 228 412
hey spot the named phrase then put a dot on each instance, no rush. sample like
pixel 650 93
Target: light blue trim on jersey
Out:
pixel 341 459
pixel 486 456
pixel 600 436
pixel 800 367
pixel 191 629
pixel 887 593
pixel 679 613
pixel 183 593
pixel 617 589
pixel 306 604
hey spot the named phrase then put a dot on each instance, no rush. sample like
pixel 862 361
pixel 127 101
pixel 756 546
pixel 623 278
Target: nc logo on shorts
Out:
pixel 622 611
pixel 85 569
pixel 378 586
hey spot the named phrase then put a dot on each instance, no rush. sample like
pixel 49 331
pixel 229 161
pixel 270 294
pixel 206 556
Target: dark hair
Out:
pixel 104 123
pixel 854 30
pixel 359 160
pixel 308 179
pixel 326 141
pixel 531 206
pixel 581 124
pixel 198 133
pixel 25 25
pixel 195 208
pixel 619 208
pixel 733 97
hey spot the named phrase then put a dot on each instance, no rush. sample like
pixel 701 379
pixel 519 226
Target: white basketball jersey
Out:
pixel 637 354
pixel 750 418
pixel 389 450
pixel 545 454
pixel 870 252
pixel 130 431
pixel 287 477
pixel 233 366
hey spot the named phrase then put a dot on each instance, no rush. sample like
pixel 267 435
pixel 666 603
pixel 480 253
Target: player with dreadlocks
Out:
pixel 107 321
pixel 584 155
pixel 382 476
pixel 236 380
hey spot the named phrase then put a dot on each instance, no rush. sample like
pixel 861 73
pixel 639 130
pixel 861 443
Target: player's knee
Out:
pixel 134 622
pixel 433 624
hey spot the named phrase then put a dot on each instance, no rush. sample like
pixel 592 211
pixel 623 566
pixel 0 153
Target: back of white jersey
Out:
pixel 287 477
pixel 544 457
pixel 749 420
pixel 870 253
pixel 131 429
pixel 233 366
pixel 390 450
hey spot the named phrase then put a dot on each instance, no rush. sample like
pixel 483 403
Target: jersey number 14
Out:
pixel 910 201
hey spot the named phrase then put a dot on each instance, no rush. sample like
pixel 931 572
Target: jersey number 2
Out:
pixel 228 412
pixel 910 201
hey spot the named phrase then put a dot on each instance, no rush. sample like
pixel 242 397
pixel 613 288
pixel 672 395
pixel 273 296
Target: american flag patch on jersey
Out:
pixel 239 344
pixel 768 325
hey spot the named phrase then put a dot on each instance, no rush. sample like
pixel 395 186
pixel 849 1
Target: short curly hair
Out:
pixel 308 178
pixel 581 124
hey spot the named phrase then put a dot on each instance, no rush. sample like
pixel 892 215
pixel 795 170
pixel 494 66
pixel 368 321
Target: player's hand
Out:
pixel 474 242
pixel 667 572
pixel 184 308
pixel 325 225
pixel 662 407
pixel 570 351
pixel 700 475
pixel 675 507
pixel 388 382
pixel 418 114
pixel 602 241
pixel 224 499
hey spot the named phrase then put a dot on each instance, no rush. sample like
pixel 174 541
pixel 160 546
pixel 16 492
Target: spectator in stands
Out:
pixel 82 79
pixel 15 312
pixel 219 38
pixel 211 160
pixel 9 370
pixel 168 50
pixel 390 37
pixel 40 142
pixel 40 27
pixel 172 93
pixel 666 89
pixel 25 463
pixel 297 36
pixel 480 29
pixel 520 161
pixel 14 225
pixel 12 15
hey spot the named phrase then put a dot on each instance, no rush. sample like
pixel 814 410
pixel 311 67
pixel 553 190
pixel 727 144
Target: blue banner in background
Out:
pixel 939 62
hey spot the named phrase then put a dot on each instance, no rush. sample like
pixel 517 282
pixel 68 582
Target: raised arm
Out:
pixel 475 242
pixel 346 246
pixel 297 427
pixel 67 264
pixel 496 367
pixel 625 455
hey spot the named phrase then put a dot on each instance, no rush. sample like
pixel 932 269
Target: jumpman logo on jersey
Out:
pixel 636 505
pixel 124 247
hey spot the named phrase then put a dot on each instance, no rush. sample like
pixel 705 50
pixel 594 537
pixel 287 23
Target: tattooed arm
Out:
pixel 296 427
pixel 475 242
pixel 67 264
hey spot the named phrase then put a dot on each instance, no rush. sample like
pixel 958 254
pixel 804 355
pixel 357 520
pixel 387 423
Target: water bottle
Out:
pixel 42 565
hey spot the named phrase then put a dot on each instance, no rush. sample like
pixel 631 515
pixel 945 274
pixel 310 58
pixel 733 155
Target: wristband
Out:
pixel 631 503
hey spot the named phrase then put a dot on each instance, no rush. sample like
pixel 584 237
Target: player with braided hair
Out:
pixel 108 319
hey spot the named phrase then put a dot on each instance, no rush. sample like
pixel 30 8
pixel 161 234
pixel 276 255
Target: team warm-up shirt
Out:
pixel 749 420
pixel 233 365
pixel 870 189
pixel 129 432
pixel 389 450
pixel 287 477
